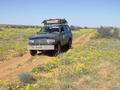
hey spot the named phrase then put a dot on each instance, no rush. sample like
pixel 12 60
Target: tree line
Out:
pixel 78 27
pixel 18 26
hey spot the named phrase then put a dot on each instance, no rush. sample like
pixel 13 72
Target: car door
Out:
pixel 66 34
pixel 69 31
pixel 62 35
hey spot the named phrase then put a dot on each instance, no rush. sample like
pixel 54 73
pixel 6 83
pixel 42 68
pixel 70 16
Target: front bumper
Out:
pixel 41 47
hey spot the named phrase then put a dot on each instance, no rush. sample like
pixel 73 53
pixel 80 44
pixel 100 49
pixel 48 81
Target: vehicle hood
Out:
pixel 44 36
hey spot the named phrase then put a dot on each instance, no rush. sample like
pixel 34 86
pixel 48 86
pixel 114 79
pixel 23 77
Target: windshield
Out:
pixel 49 29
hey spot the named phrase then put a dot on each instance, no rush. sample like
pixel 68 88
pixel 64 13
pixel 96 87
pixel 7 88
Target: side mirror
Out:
pixel 62 32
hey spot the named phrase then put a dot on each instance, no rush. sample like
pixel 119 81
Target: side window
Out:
pixel 68 28
pixel 62 29
pixel 65 28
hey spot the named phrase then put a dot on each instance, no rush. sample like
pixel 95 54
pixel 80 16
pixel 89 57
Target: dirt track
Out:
pixel 10 69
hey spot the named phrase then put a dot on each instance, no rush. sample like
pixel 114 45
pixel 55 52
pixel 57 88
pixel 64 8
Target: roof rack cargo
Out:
pixel 54 21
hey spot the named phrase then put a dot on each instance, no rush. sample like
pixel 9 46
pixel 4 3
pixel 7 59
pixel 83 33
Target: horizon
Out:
pixel 78 13
pixel 69 25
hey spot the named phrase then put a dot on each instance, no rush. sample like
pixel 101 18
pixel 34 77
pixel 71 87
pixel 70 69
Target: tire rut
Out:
pixel 10 69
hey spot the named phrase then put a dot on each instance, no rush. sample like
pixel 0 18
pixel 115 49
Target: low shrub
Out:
pixel 107 32
pixel 26 77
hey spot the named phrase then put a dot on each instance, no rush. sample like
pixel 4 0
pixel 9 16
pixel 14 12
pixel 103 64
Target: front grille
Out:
pixel 40 42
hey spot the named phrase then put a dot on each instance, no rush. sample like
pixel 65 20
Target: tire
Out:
pixel 33 52
pixel 58 49
pixel 69 45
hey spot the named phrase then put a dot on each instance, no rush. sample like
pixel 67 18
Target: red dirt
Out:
pixel 10 69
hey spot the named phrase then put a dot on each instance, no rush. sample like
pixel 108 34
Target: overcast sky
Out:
pixel 90 13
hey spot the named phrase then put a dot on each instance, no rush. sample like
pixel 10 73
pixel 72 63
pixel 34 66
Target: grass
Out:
pixel 13 41
pixel 30 59
pixel 93 65
pixel 19 65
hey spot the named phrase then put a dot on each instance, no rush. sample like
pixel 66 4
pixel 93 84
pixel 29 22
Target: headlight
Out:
pixel 50 41
pixel 31 41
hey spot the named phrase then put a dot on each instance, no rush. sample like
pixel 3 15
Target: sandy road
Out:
pixel 10 69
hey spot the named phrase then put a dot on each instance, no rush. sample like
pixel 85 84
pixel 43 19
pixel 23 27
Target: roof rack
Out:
pixel 55 21
pixel 54 24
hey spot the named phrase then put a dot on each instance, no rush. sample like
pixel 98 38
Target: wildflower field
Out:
pixel 13 41
pixel 91 64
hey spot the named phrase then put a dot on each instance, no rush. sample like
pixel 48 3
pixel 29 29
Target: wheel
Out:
pixel 33 52
pixel 69 44
pixel 57 50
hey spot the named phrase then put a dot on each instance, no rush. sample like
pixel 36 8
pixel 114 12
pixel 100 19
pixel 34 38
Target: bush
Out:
pixel 1 30
pixel 107 32
pixel 104 32
pixel 116 33
pixel 75 27
pixel 26 77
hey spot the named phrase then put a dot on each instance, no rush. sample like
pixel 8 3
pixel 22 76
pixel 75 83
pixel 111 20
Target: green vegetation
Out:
pixel 18 26
pixel 13 41
pixel 26 77
pixel 19 65
pixel 93 65
pixel 108 32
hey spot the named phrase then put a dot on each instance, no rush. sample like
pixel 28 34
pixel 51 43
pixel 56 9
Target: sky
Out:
pixel 91 13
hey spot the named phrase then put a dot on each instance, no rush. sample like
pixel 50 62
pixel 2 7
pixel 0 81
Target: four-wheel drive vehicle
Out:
pixel 53 35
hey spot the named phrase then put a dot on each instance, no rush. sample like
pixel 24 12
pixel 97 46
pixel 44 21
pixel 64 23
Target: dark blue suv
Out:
pixel 53 35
